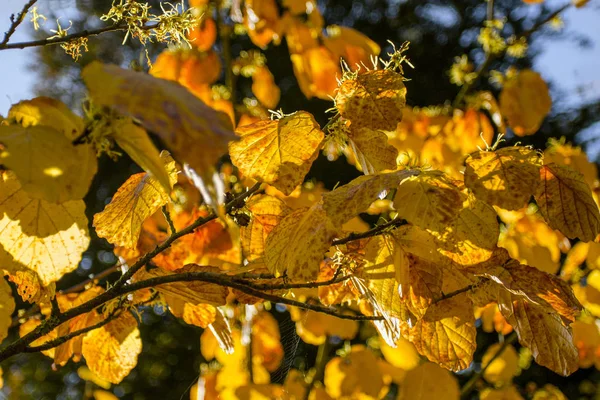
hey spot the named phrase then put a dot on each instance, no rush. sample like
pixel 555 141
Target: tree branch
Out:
pixel 77 35
pixel 15 22
pixel 371 232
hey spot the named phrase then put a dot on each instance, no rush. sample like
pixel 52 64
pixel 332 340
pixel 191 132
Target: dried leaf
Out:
pixel 566 202
pixel 278 152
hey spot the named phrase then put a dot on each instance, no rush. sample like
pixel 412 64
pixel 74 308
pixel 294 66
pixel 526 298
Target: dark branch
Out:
pixel 371 232
pixel 15 22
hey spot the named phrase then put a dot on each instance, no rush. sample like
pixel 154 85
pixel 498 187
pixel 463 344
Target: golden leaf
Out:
pixel 545 290
pixel 201 315
pixel 403 356
pixel 266 341
pixel 467 131
pixel 137 199
pixel 505 178
pixel 586 338
pixel 346 202
pixel 449 342
pixel 351 45
pixel 111 352
pixel 430 201
pixel 505 393
pixel 258 392
pixel 566 202
pixel 371 150
pixel 193 292
pixel 525 101
pixel 504 367
pixel 574 157
pixel 29 284
pixel 45 162
pixel 204 35
pixel 374 99
pixel 264 87
pixel 7 306
pixel 299 242
pixel 49 112
pixel 549 340
pixel 40 236
pixel 316 70
pixel 356 373
pixel 194 132
pixel 267 211
pixel 429 382
pixel 134 140
pixel 278 152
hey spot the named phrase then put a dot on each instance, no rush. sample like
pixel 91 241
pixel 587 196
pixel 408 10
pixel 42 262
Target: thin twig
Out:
pixel 371 232
pixel 77 35
pixel 167 215
pixel 16 21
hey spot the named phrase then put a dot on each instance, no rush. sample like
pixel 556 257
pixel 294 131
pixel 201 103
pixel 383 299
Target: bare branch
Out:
pixel 371 232
pixel 16 21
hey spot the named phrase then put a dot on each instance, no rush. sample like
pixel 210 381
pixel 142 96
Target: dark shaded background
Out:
pixel 438 31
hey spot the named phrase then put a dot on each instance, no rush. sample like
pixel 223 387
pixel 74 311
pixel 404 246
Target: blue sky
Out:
pixel 575 72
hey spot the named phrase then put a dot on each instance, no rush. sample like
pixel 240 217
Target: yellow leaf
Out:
pixel 84 373
pixel 356 373
pixel 259 392
pixel 547 291
pixel 449 341
pixel 299 242
pixel 316 70
pixel 134 140
pixel 549 392
pixel 351 45
pixel 586 338
pixel 103 395
pixel 467 131
pixel 371 150
pixel 574 157
pixel 45 162
pixel 43 237
pixel 505 178
pixel 264 87
pixel 49 112
pixel 346 202
pixel 29 284
pixel 429 382
pixel 566 202
pixel 111 352
pixel 7 306
pixel 505 393
pixel 267 211
pixel 137 199
pixel 278 152
pixel 525 101
pixel 549 340
pixel 200 315
pixel 430 201
pixel 193 292
pixel 194 132
pixel 403 356
pixel 314 327
pixel 504 367
pixel 374 99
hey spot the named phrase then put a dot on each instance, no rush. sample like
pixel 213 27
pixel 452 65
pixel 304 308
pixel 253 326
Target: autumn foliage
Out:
pixel 467 228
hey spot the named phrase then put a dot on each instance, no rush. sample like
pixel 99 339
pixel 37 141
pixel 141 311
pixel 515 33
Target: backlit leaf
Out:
pixel 48 112
pixel 194 132
pixel 373 99
pixel 137 199
pixel 505 178
pixel 44 160
pixel 267 211
pixel 356 373
pixel 43 237
pixel 278 152
pixel 504 367
pixel 299 242
pixel 371 150
pixel 543 333
pixel 429 382
pixel 111 352
pixel 566 202
pixel 134 140
pixel 525 101
pixel 7 306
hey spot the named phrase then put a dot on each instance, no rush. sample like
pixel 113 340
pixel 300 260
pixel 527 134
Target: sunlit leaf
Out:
pixel 429 382
pixel 195 133
pixel 504 367
pixel 43 237
pixel 566 202
pixel 505 178
pixel 7 306
pixel 278 152
pixel 373 99
pixel 111 352
pixel 137 199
